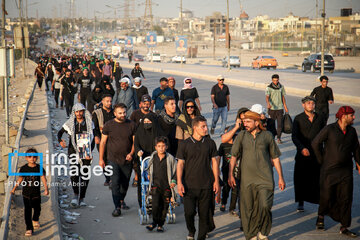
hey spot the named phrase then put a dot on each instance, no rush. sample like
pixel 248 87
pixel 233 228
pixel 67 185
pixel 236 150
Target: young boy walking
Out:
pixel 162 174
pixel 31 191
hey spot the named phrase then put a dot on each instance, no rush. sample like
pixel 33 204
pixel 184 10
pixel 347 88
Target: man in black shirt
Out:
pixel 100 116
pixel 323 95
pixel 67 91
pixel 85 82
pixel 138 115
pixel 118 140
pixel 197 177
pixel 220 98
pixel 139 89
pixel 137 71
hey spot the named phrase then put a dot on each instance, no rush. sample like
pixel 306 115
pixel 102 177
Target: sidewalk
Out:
pixel 37 135
pixel 346 86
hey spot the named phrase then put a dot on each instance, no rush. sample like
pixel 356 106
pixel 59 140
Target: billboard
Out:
pixel 115 51
pixel 181 44
pixel 151 39
pixel 129 43
pixel 103 45
pixel 116 42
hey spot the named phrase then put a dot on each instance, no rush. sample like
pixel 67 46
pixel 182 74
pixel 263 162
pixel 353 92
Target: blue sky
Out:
pixel 201 8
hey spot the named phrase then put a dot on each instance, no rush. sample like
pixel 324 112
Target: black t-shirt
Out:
pixel 160 178
pixel 85 83
pixel 225 152
pixel 140 92
pixel 31 184
pixel 322 95
pixel 220 95
pixel 137 116
pixel 120 139
pixel 188 93
pixel 197 156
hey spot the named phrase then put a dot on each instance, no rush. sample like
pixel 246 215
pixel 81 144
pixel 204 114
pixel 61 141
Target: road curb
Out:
pixel 299 92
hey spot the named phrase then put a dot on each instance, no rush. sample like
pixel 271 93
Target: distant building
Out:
pixel 216 21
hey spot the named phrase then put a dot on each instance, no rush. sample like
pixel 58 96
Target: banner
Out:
pixel 129 43
pixel 115 51
pixel 181 44
pixel 151 38
pixel 116 42
pixel 103 45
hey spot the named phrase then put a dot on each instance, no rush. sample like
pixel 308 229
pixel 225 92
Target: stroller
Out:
pixel 146 203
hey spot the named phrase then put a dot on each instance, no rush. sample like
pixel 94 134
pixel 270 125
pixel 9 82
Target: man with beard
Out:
pixel 159 94
pixel 306 126
pixel 167 121
pixel 198 177
pixel 335 147
pixel 323 95
pixel 237 127
pixel 258 152
pixel 118 140
pixel 126 95
pixel 67 91
pixel 100 116
pixel 139 88
pixel 85 82
pixel 79 123
pixel 138 115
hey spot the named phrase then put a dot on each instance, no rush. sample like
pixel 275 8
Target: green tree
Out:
pixel 158 30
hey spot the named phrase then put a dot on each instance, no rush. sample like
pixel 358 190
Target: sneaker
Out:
pixel 82 203
pixel 190 236
pixel 124 206
pixel 320 224
pixel 222 207
pixel 348 233
pixel 116 212
pixel 74 202
pixel 212 131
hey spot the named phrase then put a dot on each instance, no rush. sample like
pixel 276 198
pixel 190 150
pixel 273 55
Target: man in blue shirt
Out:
pixel 159 94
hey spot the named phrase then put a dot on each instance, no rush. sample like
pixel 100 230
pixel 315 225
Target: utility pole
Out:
pixel 181 29
pixel 23 40
pixel 323 38
pixel 4 90
pixel 228 33
pixel 3 43
pixel 214 45
pixel 26 24
pixel 316 26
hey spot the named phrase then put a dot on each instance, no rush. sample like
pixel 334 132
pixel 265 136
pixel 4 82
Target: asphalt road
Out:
pixel 97 222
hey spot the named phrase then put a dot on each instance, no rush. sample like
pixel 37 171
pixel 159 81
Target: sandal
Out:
pixel 151 227
pixel 348 233
pixel 160 229
pixel 36 225
pixel 28 233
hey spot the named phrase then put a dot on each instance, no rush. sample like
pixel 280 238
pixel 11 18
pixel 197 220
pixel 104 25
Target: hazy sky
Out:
pixel 170 8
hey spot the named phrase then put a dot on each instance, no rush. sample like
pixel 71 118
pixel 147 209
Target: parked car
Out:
pixel 264 62
pixel 313 63
pixel 234 61
pixel 177 59
pixel 138 58
pixel 155 57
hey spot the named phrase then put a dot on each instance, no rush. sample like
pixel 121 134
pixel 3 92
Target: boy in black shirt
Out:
pixel 31 191
pixel 162 174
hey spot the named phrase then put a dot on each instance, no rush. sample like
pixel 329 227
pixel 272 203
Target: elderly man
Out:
pixel 139 88
pixel 259 153
pixel 220 98
pixel 126 95
pixel 335 147
pixel 307 170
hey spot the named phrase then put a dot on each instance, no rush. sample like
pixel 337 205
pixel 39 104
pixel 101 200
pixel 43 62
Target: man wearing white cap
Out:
pixel 220 98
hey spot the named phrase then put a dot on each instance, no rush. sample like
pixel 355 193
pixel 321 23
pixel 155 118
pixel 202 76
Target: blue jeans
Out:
pixel 217 112
pixel 120 181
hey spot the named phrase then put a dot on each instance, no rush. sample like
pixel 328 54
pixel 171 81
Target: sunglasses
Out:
pixel 221 80
pixel 190 106
pixel 187 82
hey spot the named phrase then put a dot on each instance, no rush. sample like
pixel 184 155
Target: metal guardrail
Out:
pixel 4 228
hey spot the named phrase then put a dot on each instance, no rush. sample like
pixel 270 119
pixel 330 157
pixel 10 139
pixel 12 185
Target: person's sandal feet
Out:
pixel 222 208
pixel 151 227
pixel 124 206
pixel 320 224
pixel 135 183
pixel 116 212
pixel 28 233
pixel 160 229
pixel 36 225
pixel 348 233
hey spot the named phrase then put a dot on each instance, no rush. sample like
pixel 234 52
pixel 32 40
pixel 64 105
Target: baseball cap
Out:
pixel 146 98
pixel 220 77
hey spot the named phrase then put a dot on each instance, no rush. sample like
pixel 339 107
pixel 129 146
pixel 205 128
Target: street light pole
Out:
pixel 323 38
pixel 181 29
pixel 316 27
pixel 23 40
pixel 228 33
pixel 3 43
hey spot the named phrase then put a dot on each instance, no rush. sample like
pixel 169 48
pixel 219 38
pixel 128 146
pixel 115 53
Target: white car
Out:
pixel 177 59
pixel 234 61
pixel 156 57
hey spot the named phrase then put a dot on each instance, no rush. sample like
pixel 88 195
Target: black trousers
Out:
pixel 47 80
pixel 56 97
pixel 69 103
pixel 120 181
pixel 85 97
pixel 160 204
pixel 226 188
pixel 80 185
pixel 277 115
pixel 29 204
pixel 200 200
pixel 324 110
pixel 39 82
